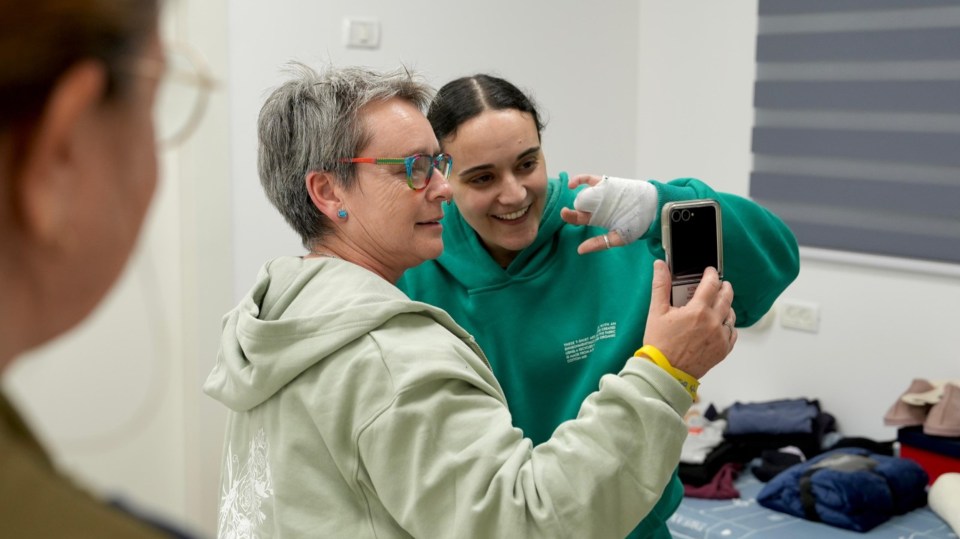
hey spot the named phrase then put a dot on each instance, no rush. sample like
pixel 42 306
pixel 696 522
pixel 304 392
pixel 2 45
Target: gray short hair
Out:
pixel 311 123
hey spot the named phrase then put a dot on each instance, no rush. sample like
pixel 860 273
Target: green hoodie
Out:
pixel 553 322
pixel 356 412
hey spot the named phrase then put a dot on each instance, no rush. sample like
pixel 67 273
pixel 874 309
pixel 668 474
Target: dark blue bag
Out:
pixel 848 488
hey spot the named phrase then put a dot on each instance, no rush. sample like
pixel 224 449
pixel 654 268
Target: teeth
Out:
pixel 515 215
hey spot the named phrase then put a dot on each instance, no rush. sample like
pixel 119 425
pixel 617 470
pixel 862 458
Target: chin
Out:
pixel 522 243
pixel 434 254
pixel 430 252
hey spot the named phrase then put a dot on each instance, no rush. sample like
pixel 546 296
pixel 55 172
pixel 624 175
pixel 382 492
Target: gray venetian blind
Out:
pixel 857 137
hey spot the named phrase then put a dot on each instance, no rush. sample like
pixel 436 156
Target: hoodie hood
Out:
pixel 295 316
pixel 465 258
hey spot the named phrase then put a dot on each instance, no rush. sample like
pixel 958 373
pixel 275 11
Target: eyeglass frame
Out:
pixel 408 165
pixel 198 75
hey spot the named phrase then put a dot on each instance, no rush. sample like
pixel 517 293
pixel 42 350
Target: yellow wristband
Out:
pixel 689 383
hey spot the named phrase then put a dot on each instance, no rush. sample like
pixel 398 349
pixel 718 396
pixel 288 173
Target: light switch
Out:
pixel 361 33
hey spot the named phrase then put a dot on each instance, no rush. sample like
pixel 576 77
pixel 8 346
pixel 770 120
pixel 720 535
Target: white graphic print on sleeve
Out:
pixel 247 487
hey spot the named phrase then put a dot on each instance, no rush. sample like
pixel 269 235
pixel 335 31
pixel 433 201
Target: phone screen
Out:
pixel 693 242
pixel 693 238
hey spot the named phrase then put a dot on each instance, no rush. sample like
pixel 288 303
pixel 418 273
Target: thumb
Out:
pixel 660 292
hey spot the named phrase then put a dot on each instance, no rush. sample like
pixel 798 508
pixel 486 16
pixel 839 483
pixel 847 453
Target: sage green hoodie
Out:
pixel 356 412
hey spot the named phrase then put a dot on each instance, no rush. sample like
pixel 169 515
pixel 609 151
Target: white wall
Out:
pixel 883 321
pixel 654 89
pixel 579 62
pixel 651 89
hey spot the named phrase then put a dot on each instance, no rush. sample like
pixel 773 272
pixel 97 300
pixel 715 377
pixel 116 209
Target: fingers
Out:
pixel 580 179
pixel 600 243
pixel 660 291
pixel 724 300
pixel 725 305
pixel 731 318
pixel 575 217
pixel 729 323
pixel 709 288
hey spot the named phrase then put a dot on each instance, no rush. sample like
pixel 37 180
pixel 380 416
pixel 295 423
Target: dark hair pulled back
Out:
pixel 465 98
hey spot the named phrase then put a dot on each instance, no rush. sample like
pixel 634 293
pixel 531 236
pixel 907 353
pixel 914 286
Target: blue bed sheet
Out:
pixel 744 517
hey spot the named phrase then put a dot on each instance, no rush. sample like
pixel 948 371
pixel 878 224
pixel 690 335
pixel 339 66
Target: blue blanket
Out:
pixel 849 488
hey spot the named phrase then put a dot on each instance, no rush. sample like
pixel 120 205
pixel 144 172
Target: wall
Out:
pixel 882 321
pixel 684 70
pixel 582 74
pixel 651 89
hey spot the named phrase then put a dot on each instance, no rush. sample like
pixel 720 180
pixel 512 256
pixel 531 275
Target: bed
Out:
pixel 732 519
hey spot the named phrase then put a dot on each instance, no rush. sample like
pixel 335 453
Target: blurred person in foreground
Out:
pixel 78 169
pixel 356 412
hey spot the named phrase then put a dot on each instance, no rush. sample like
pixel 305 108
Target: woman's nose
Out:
pixel 513 190
pixel 439 187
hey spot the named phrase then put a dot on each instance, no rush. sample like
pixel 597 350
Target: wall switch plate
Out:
pixel 361 33
pixel 800 315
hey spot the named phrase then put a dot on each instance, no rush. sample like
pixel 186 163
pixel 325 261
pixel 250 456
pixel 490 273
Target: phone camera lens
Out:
pixel 685 215
pixel 675 216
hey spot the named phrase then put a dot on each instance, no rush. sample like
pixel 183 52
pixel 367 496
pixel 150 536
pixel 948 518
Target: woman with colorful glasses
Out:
pixel 356 412
pixel 77 173
pixel 553 321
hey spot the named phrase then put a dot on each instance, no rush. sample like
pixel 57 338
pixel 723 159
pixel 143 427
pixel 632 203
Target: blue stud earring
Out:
pixel 342 213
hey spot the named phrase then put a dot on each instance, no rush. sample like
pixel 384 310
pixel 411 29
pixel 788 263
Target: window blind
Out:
pixel 856 141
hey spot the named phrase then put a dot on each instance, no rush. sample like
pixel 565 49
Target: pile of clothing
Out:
pixel 811 471
pixel 720 444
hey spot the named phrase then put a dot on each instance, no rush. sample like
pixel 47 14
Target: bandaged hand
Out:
pixel 625 207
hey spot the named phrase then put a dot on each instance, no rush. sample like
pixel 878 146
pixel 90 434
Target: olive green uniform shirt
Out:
pixel 38 501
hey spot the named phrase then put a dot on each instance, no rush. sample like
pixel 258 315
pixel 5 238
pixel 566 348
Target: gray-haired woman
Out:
pixel 356 412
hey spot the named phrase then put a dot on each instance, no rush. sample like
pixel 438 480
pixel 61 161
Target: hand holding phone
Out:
pixel 693 241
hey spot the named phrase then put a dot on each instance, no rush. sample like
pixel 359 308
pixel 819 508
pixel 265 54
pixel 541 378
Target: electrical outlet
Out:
pixel 800 315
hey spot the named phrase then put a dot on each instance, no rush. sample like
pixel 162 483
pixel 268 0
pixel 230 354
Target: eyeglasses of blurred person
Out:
pixel 185 86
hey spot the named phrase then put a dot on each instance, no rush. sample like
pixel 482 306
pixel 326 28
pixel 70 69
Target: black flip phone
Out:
pixel 693 241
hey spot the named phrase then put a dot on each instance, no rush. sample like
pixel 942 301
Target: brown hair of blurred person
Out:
pixel 77 159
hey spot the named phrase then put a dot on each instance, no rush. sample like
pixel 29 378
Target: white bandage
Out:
pixel 624 206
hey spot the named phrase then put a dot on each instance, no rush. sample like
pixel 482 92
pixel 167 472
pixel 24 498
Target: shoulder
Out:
pixel 428 345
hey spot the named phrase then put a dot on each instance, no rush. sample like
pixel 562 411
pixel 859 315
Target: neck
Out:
pixel 349 253
pixel 18 322
pixel 34 309
pixel 501 256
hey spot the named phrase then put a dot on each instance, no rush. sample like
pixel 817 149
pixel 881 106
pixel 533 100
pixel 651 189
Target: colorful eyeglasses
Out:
pixel 419 166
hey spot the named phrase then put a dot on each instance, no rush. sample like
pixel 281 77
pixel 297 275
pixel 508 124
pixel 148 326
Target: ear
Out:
pixel 51 166
pixel 324 193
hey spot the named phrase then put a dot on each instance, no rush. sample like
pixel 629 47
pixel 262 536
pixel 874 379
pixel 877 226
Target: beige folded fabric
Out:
pixel 944 499
pixel 930 396
pixel 902 414
pixel 943 419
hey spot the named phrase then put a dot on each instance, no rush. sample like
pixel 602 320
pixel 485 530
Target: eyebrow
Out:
pixel 525 153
